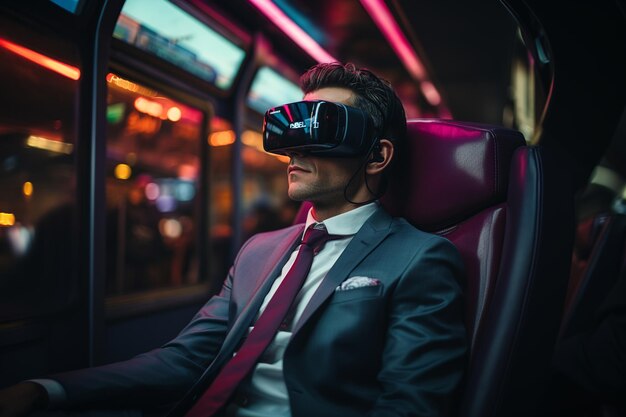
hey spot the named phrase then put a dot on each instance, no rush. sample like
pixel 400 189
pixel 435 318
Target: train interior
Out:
pixel 133 170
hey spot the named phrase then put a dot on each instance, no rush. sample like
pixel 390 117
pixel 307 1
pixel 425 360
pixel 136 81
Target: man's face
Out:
pixel 322 180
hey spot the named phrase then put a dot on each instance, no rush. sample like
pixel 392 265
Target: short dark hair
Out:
pixel 373 94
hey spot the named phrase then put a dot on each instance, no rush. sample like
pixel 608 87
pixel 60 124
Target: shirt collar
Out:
pixel 347 223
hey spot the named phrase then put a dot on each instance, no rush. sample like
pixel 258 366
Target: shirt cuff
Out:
pixel 56 392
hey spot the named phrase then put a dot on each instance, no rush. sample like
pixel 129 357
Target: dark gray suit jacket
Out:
pixel 394 349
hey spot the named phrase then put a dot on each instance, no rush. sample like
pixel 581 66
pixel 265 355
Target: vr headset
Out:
pixel 318 128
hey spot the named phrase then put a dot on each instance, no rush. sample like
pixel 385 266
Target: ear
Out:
pixel 383 157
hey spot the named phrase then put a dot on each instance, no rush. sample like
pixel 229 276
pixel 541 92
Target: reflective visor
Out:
pixel 317 127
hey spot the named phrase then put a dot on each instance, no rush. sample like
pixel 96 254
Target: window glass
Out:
pixel 38 97
pixel 152 185
pixel 163 29
pixel 270 89
pixel 265 202
pixel 69 5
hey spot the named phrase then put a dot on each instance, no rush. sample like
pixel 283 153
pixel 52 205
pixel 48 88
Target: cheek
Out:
pixel 336 170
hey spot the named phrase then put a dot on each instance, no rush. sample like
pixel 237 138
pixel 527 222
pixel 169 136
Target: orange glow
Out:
pixel 148 106
pixel 123 172
pixel 226 137
pixel 252 138
pixel 47 62
pixel 187 172
pixel 7 219
pixel 129 85
pixel 27 188
pixel 255 140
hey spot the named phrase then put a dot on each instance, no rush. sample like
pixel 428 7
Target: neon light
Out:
pixel 49 144
pixel 291 29
pixel 222 138
pixel 430 92
pixel 7 219
pixel 27 188
pixel 149 107
pixel 174 114
pixel 47 62
pixel 122 171
pixel 381 15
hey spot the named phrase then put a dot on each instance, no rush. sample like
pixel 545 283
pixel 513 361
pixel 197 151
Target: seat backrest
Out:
pixel 457 178
pixel 499 202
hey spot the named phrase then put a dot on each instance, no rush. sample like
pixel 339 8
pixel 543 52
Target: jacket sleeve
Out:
pixel 162 375
pixel 425 352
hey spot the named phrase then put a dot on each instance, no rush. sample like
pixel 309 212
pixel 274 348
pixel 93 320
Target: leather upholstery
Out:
pixel 458 177
pixel 455 170
pixel 501 203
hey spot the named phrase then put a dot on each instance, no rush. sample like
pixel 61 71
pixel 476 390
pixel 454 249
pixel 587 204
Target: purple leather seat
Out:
pixel 501 203
pixel 458 176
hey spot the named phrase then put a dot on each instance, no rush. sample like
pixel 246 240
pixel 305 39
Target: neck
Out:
pixel 358 196
pixel 322 212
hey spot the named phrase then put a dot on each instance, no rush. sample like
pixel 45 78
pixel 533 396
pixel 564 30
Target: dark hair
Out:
pixel 375 96
pixel 372 94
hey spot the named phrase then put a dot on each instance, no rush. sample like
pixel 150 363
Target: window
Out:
pixel 37 180
pixel 270 89
pixel 152 184
pixel 164 30
pixel 265 202
pixel 69 5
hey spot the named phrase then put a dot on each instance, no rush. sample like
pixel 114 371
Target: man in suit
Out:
pixel 376 329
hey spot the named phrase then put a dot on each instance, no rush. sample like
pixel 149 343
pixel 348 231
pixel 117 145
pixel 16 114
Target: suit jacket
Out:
pixel 393 349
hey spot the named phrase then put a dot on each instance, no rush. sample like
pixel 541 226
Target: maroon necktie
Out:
pixel 264 330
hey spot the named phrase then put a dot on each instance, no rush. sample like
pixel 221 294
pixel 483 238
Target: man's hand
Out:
pixel 22 399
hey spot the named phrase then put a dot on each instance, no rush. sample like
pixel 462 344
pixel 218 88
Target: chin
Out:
pixel 297 195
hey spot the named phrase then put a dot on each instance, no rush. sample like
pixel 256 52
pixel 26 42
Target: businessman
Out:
pixel 353 313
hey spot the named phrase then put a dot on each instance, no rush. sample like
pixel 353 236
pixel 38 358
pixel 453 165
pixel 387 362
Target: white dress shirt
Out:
pixel 264 393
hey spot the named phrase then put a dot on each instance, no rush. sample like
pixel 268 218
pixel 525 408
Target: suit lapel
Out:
pixel 274 265
pixel 374 231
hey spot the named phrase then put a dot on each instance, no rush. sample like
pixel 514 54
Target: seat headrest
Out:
pixel 453 170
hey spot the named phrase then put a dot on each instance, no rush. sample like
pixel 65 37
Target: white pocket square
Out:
pixel 357 282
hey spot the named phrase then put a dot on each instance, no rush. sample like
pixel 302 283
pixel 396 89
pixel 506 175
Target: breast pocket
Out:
pixel 357 294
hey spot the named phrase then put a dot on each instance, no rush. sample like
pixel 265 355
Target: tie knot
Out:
pixel 316 237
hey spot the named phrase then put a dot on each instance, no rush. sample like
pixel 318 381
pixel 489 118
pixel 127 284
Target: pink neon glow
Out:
pixel 288 113
pixel 446 131
pixel 381 15
pixel 430 92
pixel 299 36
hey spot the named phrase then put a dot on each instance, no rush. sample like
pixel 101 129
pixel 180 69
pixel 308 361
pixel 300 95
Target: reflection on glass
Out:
pixel 270 89
pixel 37 186
pixel 265 203
pixel 153 167
pixel 163 29
pixel 69 5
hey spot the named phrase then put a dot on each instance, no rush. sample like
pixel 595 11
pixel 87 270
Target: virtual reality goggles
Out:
pixel 319 128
